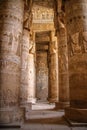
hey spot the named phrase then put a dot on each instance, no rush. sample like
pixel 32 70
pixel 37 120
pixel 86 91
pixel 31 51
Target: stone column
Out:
pixel 63 65
pixel 76 19
pixel 53 70
pixel 32 71
pixel 28 81
pixel 24 56
pixel 11 19
pixel 24 68
pixel 26 61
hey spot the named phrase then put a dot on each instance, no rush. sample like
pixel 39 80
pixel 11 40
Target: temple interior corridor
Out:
pixel 43 64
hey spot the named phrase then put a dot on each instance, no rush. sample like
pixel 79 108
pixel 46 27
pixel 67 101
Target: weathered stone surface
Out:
pixel 77 31
pixel 11 14
pixel 42 76
pixel 53 69
pixel 28 80
pixel 63 63
pixel 32 73
pixel 42 14
pixel 24 67
pixel 18 39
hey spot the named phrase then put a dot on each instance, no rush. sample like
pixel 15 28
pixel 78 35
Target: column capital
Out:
pixel 27 15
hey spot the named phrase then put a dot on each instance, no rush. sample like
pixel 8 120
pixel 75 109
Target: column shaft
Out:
pixel 63 66
pixel 76 17
pixel 32 73
pixel 24 67
pixel 27 60
pixel 53 71
pixel 11 14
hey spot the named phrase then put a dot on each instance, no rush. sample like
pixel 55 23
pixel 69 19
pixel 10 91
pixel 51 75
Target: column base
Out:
pixel 52 100
pixel 76 115
pixel 28 102
pixel 61 105
pixel 31 100
pixel 13 115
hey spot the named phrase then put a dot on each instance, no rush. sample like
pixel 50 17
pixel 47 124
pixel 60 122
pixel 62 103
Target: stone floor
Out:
pixel 43 105
pixel 43 116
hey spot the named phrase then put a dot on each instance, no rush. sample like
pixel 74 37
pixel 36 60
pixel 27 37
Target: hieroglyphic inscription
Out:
pixel 77 43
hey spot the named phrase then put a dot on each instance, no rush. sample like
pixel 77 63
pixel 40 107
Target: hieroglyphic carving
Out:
pixel 11 19
pixel 25 52
pixel 42 14
pixel 25 61
pixel 9 66
pixel 53 47
pixel 7 98
pixel 32 47
pixel 10 42
pixel 63 65
pixel 19 38
pixel 28 14
pixel 10 38
pixel 83 41
pixel 70 46
pixel 62 36
pixel 77 43
pixel 53 75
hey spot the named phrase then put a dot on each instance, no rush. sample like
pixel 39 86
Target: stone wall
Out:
pixel 42 76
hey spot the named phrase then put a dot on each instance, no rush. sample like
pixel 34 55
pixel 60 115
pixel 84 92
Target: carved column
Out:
pixel 63 64
pixel 11 19
pixel 26 78
pixel 32 71
pixel 53 70
pixel 28 81
pixel 24 67
pixel 76 18
pixel 24 57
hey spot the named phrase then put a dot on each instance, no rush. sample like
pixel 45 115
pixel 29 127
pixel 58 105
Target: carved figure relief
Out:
pixel 63 63
pixel 6 41
pixel 53 75
pixel 8 98
pixel 8 66
pixel 10 39
pixel 70 46
pixel 24 92
pixel 77 43
pixel 18 52
pixel 25 61
pixel 43 14
pixel 32 47
pixel 53 48
pixel 28 14
pixel 83 41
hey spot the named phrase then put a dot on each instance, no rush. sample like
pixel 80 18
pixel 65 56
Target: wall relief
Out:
pixel 77 43
pixel 63 63
pixel 8 98
pixel 9 66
